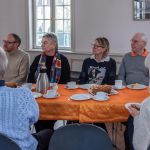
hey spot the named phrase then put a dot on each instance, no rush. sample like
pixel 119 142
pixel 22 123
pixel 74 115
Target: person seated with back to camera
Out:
pixel 19 110
pixel 99 68
pixel 132 69
pixel 57 69
pixel 137 130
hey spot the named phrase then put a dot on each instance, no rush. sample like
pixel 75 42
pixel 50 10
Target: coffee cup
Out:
pixel 52 93
pixel 101 95
pixel 118 84
pixel 71 84
pixel 27 85
pixel 54 86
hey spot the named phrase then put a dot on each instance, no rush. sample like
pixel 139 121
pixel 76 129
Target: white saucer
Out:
pixel 136 87
pixel 86 86
pixel 113 92
pixel 51 96
pixel 71 88
pixel 36 94
pixel 119 88
pixel 97 98
pixel 79 97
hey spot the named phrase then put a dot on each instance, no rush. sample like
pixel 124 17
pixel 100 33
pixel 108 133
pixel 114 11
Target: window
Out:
pixel 52 16
pixel 141 9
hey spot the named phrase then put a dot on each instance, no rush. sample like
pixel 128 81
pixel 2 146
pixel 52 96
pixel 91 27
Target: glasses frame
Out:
pixel 97 46
pixel 8 42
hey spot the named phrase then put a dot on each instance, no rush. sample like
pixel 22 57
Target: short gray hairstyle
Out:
pixel 53 37
pixel 144 38
pixel 3 62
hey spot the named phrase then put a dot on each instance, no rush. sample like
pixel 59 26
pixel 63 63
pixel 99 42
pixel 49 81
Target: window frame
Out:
pixel 32 24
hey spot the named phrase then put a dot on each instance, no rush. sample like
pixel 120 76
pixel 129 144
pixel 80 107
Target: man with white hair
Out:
pixel 138 127
pixel 132 69
pixel 18 60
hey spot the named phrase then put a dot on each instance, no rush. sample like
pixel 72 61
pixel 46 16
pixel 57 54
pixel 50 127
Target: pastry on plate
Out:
pixel 135 85
pixel 100 88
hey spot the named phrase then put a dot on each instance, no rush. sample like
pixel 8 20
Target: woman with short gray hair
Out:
pixel 57 69
pixel 57 65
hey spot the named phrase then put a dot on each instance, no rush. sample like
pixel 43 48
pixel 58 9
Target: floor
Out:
pixel 116 133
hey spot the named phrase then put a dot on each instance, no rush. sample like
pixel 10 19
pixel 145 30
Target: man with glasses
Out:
pixel 132 69
pixel 18 60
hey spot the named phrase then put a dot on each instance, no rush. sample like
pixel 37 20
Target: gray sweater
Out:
pixel 133 70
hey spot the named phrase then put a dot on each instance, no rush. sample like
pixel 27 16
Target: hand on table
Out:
pixel 134 110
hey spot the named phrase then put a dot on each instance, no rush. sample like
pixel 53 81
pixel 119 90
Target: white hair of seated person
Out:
pixel 3 62
pixel 141 135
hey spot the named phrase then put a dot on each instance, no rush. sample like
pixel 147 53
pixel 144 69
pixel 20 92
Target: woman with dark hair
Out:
pixel 99 68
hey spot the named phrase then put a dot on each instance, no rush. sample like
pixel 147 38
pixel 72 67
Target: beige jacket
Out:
pixel 18 66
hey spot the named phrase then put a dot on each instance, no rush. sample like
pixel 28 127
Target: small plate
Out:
pixel 79 97
pixel 86 86
pixel 119 88
pixel 113 92
pixel 50 96
pixel 95 97
pixel 36 94
pixel 136 86
pixel 127 105
pixel 71 88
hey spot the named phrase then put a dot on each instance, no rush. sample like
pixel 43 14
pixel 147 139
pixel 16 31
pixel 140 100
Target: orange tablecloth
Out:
pixel 112 110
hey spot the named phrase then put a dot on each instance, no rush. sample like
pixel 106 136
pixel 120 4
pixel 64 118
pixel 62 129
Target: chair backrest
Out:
pixel 80 137
pixel 7 144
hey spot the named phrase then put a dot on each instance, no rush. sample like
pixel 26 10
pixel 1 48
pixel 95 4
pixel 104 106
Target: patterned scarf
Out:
pixel 55 69
pixel 55 72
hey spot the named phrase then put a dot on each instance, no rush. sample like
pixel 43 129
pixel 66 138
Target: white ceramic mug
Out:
pixel 71 84
pixel 54 86
pixel 27 85
pixel 52 93
pixel 102 95
pixel 118 84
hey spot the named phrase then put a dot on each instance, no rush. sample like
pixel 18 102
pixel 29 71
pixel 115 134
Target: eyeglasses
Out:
pixel 8 42
pixel 135 41
pixel 97 46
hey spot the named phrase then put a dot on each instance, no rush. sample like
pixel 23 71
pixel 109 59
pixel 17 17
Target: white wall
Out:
pixel 110 18
pixel 93 18
pixel 13 19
